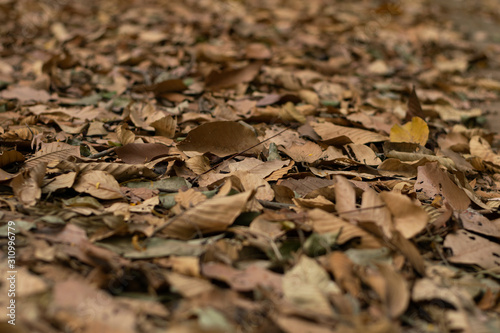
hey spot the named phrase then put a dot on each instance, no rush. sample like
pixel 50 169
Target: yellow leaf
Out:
pixel 415 131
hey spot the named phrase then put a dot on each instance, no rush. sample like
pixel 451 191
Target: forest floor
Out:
pixel 249 166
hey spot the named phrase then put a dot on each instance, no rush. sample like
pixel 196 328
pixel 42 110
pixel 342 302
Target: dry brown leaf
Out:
pixel 323 222
pixel 198 164
pixel 189 286
pixel 76 300
pixel 395 167
pixel 23 133
pixel 125 136
pixel 165 126
pixel 289 113
pixel 99 184
pixel 476 222
pixel 318 202
pixel 10 156
pixel 141 153
pixel 27 185
pixel 343 270
pixel 229 78
pixel 432 181
pixel 25 94
pixel 469 248
pixel 244 280
pixel 222 138
pixel 364 154
pixel 65 180
pixel 189 198
pixel 118 170
pixel 210 216
pixel 253 182
pixel 480 147
pixel 307 285
pixel 340 135
pixel 409 250
pixel 345 196
pixel 55 151
pixel 408 218
pixel 390 286
pixel 309 152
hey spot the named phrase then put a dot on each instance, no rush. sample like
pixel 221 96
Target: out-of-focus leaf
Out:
pixel 415 131
pixel 10 156
pixel 27 185
pixel 229 78
pixel 118 170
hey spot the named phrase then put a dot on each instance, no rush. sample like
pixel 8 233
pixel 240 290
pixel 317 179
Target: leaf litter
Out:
pixel 238 166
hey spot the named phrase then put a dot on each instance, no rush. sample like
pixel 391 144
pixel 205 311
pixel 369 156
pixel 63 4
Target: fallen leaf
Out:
pixel 27 185
pixel 222 138
pixel 99 184
pixel 340 135
pixel 469 248
pixel 209 216
pixel 141 153
pixel 229 78
pixel 415 131
pixel 432 181
pixel 408 218
pixel 307 285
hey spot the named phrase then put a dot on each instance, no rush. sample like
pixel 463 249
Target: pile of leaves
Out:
pixel 249 166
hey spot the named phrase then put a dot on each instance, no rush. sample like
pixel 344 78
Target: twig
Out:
pixel 274 205
pixel 103 153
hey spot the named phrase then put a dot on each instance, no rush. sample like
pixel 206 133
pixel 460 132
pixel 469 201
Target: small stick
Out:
pixel 103 153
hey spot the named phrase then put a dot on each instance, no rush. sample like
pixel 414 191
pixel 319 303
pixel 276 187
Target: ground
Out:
pixel 249 166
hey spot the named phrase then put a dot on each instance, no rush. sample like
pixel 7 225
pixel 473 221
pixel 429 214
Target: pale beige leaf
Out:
pixel 345 196
pixel 99 184
pixel 318 202
pixel 165 126
pixel 364 154
pixel 96 128
pixel 189 198
pixel 65 180
pixel 390 286
pixel 251 182
pixel 307 285
pixel 480 147
pixel 125 136
pixel 408 218
pixel 198 164
pixel 323 222
pixel 309 152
